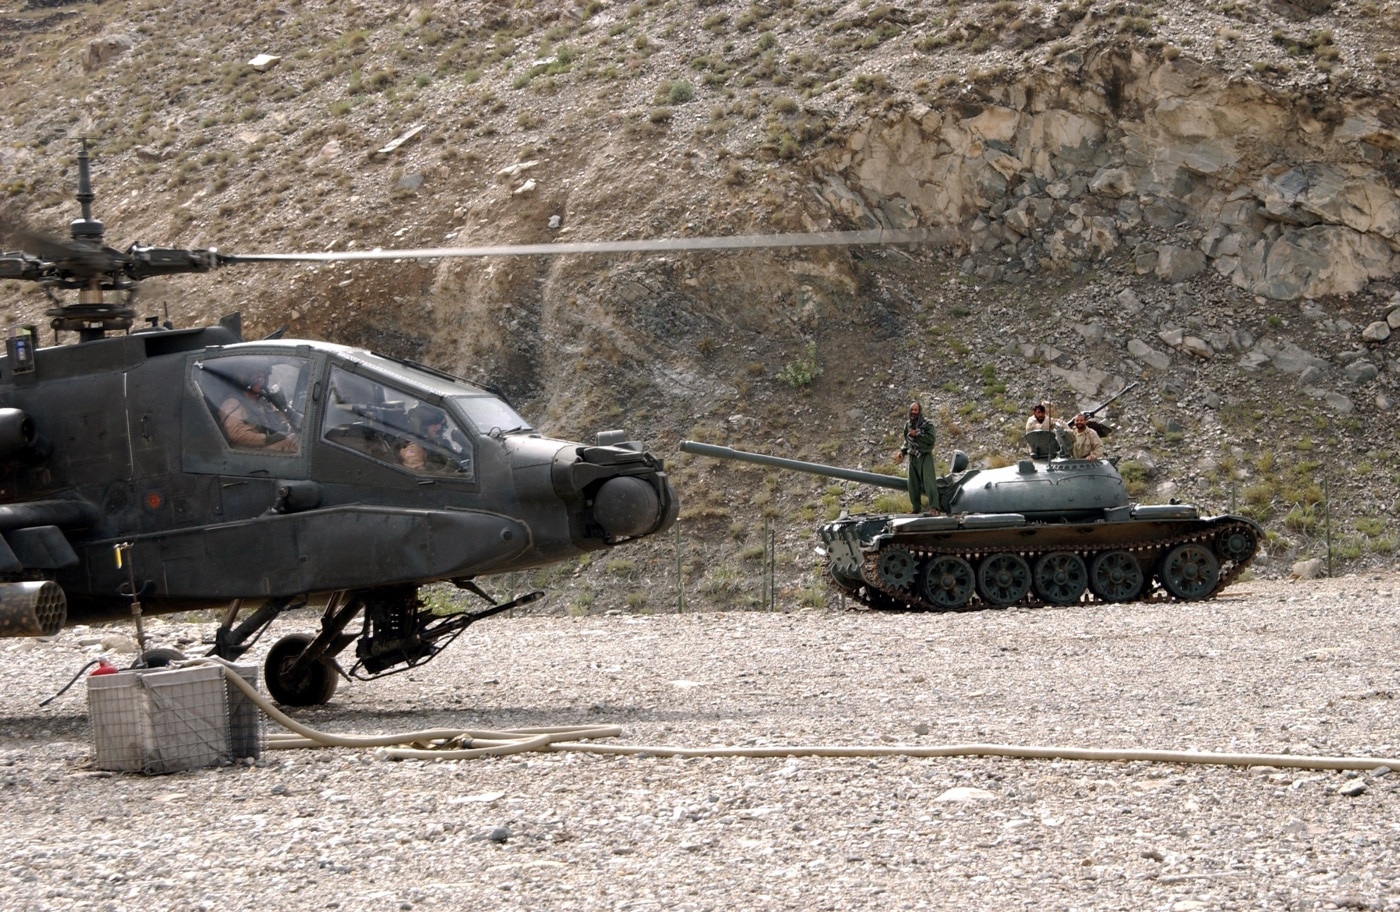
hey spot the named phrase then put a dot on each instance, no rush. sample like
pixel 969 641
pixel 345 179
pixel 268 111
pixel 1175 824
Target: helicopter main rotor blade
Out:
pixel 811 239
pixel 81 259
pixel 42 245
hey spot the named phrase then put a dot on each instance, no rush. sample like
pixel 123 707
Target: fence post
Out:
pixel 1327 519
pixel 763 574
pixel 680 578
pixel 772 573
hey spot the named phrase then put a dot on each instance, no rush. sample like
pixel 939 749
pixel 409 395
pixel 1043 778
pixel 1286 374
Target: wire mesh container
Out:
pixel 168 719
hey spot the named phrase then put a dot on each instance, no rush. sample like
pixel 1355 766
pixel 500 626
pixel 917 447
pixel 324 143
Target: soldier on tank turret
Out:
pixel 918 446
pixel 1087 443
pixel 1041 419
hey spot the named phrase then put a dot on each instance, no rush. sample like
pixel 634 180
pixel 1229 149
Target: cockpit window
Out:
pixel 394 427
pixel 258 400
pixel 491 414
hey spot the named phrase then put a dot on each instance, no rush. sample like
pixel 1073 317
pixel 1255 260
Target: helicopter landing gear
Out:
pixel 398 633
pixel 294 682
pixel 300 669
pixel 231 642
pixel 161 657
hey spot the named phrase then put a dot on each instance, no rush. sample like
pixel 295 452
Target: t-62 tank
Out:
pixel 1047 530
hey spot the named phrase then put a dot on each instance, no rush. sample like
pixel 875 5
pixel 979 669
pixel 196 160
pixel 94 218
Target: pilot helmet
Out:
pixel 251 369
pixel 421 417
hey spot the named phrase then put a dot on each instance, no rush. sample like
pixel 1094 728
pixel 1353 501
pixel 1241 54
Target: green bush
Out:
pixel 1371 526
pixel 1134 477
pixel 802 371
pixel 1303 518
pixel 677 92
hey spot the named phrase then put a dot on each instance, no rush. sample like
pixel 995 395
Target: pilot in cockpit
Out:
pixel 251 417
pixel 430 445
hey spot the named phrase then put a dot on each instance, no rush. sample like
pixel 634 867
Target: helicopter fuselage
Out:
pixel 142 480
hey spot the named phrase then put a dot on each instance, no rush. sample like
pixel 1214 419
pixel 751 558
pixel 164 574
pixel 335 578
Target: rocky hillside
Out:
pixel 1201 198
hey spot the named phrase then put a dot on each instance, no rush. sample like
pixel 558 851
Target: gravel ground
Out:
pixel 1274 668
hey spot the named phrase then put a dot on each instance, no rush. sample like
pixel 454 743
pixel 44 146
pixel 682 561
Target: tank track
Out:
pixel 878 593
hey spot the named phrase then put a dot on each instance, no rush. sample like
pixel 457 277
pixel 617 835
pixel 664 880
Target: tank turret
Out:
pixel 1048 530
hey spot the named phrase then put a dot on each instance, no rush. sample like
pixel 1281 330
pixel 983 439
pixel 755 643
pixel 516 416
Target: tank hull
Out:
pixel 970 561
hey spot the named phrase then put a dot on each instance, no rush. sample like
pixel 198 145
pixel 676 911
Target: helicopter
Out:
pixel 149 469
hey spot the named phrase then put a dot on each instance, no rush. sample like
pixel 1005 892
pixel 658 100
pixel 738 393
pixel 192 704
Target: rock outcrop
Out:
pixel 1166 163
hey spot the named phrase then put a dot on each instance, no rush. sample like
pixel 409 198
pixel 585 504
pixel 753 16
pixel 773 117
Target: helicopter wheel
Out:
pixel 1189 571
pixel 1003 579
pixel 314 685
pixel 1115 576
pixel 1060 578
pixel 948 582
pixel 161 657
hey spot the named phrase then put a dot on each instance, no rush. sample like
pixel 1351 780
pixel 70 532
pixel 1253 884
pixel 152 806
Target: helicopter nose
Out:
pixel 627 506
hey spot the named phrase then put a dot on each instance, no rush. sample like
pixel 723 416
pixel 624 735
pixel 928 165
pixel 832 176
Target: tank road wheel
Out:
pixel 1189 571
pixel 948 582
pixel 1060 578
pixel 1236 544
pixel 313 686
pixel 1003 579
pixel 1115 576
pixel 898 567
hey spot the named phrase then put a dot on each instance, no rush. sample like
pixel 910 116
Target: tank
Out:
pixel 1049 530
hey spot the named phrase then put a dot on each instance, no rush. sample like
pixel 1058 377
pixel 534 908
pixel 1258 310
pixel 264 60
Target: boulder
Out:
pixel 103 50
pixel 1197 347
pixel 1113 182
pixel 1378 331
pixel 1177 264
pixel 1306 569
pixel 1148 355
pixel 1359 372
pixel 1291 358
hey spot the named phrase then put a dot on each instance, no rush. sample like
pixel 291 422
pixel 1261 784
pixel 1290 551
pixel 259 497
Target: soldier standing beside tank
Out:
pixel 918 446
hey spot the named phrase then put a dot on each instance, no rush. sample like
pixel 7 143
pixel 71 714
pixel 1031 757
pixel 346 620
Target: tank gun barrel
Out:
pixel 896 482
pixel 1099 408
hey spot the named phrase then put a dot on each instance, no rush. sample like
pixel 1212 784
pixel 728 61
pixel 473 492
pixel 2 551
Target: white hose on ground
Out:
pixel 438 744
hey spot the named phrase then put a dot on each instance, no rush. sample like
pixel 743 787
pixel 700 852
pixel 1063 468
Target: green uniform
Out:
pixel 918 446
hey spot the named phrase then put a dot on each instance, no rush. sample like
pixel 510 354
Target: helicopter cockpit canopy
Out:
pixel 397 413
pixel 492 416
pixel 258 401
pixel 396 425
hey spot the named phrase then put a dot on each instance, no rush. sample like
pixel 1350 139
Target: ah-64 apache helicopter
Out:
pixel 155 470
